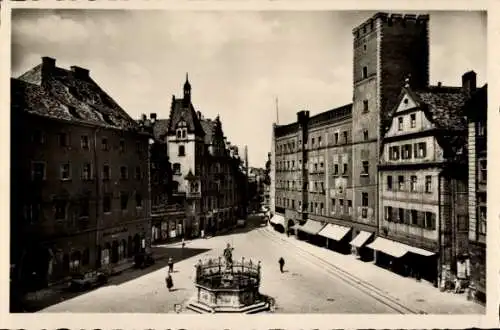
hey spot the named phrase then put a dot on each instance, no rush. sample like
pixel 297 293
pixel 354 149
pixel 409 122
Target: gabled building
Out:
pixel 79 177
pixel 423 182
pixel 476 110
pixel 206 168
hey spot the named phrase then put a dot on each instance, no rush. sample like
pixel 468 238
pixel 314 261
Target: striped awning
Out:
pixel 361 239
pixel 311 227
pixel 334 232
pixel 396 249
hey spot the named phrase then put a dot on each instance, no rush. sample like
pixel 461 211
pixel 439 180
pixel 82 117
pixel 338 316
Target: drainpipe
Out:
pixel 439 229
pixel 98 199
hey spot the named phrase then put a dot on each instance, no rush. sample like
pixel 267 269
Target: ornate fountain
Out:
pixel 224 286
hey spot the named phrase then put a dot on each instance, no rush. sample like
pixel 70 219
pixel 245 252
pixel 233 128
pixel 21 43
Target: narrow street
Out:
pixel 315 281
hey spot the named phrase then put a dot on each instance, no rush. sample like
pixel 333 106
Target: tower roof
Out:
pixel 187 85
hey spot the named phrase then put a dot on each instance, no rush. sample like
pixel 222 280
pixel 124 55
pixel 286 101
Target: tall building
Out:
pixel 206 168
pixel 387 49
pixel 476 109
pixel 79 192
pixel 423 182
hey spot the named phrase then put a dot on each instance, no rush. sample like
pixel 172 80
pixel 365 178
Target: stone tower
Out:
pixel 388 48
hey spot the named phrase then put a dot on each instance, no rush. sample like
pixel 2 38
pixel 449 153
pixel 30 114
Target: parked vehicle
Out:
pixel 87 281
pixel 144 260
pixel 241 223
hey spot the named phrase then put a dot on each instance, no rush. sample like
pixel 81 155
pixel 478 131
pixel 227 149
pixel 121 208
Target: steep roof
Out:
pixel 179 110
pixel 65 94
pixel 208 128
pixel 160 128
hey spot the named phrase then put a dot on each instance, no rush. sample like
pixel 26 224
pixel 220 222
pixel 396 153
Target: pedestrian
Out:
pixel 169 281
pixel 183 243
pixel 282 264
pixel 170 265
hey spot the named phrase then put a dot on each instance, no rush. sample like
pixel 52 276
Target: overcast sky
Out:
pixel 238 62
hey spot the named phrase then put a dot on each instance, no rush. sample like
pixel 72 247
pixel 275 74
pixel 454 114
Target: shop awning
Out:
pixel 278 220
pixel 311 227
pixel 361 239
pixel 395 249
pixel 334 232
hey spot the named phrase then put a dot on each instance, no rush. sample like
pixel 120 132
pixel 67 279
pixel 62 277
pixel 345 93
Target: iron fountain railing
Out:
pixel 217 273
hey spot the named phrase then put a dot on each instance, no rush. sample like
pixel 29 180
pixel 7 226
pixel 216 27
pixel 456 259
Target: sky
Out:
pixel 238 62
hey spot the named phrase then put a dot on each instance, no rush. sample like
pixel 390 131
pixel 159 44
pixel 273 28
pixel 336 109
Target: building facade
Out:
pixel 476 109
pixel 206 169
pixel 79 177
pixel 423 216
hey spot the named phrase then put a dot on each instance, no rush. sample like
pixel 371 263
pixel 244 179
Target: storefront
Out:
pixel 360 247
pixel 405 260
pixel 336 237
pixel 309 231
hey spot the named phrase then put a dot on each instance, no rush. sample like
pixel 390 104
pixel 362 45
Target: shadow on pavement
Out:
pixel 55 295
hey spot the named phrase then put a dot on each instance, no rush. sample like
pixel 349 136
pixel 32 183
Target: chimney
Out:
pixel 79 72
pixel 48 65
pixel 144 118
pixel 153 117
pixel 439 84
pixel 469 82
pixel 199 115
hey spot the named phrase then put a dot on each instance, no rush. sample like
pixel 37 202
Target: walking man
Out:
pixel 169 281
pixel 282 264
pixel 170 265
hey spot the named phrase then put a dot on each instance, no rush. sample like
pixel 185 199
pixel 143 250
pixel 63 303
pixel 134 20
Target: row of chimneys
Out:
pixel 469 82
pixel 49 63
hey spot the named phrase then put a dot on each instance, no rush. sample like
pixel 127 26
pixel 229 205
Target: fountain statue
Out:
pixel 227 286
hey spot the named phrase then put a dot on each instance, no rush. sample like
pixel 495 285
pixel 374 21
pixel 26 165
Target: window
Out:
pixel 312 142
pixel 63 140
pixel 179 133
pixel 430 220
pixel 106 204
pixel 138 173
pixel 38 137
pixel 388 213
pixel 482 220
pixel 138 200
pixel 401 182
pixel 394 153
pixel 293 204
pixel 482 171
pixel 122 145
pixel 177 168
pixel 341 205
pixel 413 183
pixel 106 172
pixel 84 141
pixel 401 215
pixel 104 143
pixel 84 207
pixel 365 72
pixel 123 201
pixel 336 137
pixel 60 209
pixel 365 106
pixel 319 141
pixel 365 135
pixel 182 151
pixel 123 173
pixel 345 136
pixel 406 152
pixel 414 217
pixel 481 128
pixel 38 171
pixel 364 199
pixel 413 120
pixel 400 123
pixel 336 169
pixel 349 207
pixel 293 164
pixel 344 171
pixel 389 182
pixel 422 150
pixel 428 183
pixel 86 172
pixel 65 171
pixel 365 167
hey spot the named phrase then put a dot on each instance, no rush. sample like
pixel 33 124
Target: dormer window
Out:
pixel 181 131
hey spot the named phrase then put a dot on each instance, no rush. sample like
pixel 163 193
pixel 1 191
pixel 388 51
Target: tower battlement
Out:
pixel 394 20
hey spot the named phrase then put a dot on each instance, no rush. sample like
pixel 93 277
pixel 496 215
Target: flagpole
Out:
pixel 277 112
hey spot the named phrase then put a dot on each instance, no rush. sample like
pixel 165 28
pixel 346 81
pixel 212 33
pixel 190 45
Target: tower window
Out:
pixel 365 106
pixel 365 135
pixel 365 72
pixel 364 48
pixel 182 151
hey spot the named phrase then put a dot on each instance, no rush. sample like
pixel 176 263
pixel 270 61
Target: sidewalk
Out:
pixel 416 295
